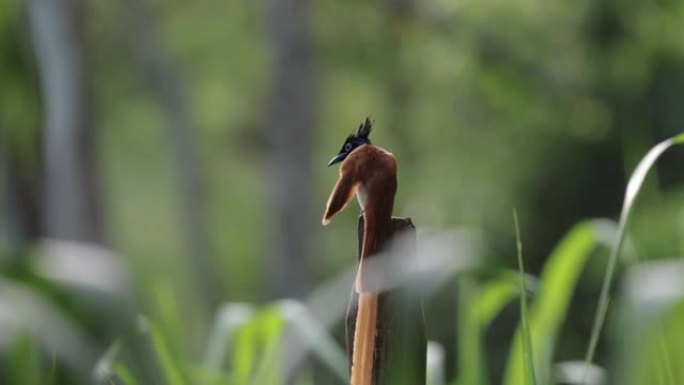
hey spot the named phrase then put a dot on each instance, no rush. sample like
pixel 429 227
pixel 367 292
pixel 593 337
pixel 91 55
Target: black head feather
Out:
pixel 354 141
pixel 365 128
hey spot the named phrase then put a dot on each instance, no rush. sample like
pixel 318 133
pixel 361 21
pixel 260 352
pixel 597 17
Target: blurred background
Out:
pixel 183 145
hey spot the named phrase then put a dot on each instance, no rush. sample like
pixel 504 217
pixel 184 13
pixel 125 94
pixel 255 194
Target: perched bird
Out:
pixel 370 172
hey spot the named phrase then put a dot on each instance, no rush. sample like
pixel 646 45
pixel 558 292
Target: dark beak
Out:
pixel 337 158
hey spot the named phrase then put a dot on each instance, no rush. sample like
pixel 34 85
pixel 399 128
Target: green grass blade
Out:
pixel 245 350
pixel 313 337
pixel 665 358
pixel 494 295
pixel 650 347
pixel 633 187
pixel 479 304
pixel 124 374
pixel 171 366
pixel 268 328
pixel 527 340
pixel 556 286
pixel 470 366
pixel 276 340
pixel 229 319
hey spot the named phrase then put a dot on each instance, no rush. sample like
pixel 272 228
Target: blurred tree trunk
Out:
pixel 290 133
pixel 20 166
pixel 167 86
pixel 18 222
pixel 399 82
pixel 71 191
pixel 13 235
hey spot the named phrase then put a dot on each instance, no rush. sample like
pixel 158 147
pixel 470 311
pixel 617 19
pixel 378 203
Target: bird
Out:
pixel 370 173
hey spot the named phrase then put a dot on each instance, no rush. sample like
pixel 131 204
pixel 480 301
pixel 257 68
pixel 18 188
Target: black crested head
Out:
pixel 353 141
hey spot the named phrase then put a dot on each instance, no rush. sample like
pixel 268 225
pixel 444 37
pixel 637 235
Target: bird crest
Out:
pixel 365 128
pixel 353 141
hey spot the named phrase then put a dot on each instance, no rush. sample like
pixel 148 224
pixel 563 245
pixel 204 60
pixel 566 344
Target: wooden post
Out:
pixel 400 343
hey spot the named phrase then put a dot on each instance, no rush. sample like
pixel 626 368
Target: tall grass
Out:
pixel 528 355
pixel 633 188
pixel 479 304
pixel 557 284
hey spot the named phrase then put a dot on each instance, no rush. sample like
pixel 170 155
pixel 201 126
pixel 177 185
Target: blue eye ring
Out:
pixel 347 147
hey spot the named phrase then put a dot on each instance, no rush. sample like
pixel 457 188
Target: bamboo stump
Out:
pixel 400 343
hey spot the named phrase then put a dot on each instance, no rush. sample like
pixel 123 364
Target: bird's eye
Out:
pixel 347 147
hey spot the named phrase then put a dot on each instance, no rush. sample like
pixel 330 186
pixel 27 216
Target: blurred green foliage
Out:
pixel 487 105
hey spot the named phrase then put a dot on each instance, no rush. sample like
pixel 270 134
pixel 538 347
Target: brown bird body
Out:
pixel 370 172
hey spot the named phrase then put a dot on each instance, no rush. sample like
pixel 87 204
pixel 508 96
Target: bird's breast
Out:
pixel 362 196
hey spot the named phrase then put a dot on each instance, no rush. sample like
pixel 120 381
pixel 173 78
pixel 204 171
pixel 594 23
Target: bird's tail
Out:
pixel 377 229
pixel 364 339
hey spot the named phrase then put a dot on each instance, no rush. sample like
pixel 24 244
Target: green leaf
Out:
pixel 170 365
pixel 269 324
pixel 245 351
pixel 124 374
pixel 230 318
pixel 479 304
pixel 651 344
pixel 556 286
pixel 493 297
pixel 633 188
pixel 281 357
